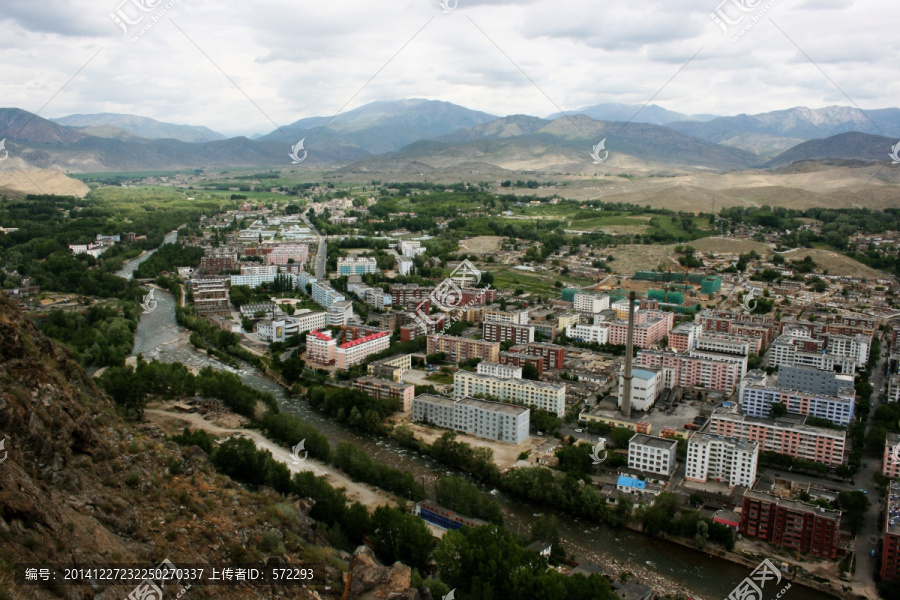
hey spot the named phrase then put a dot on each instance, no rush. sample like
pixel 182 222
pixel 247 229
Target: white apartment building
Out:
pixel 725 344
pixel 646 385
pixel 340 313
pixel 254 280
pixel 259 269
pixel 410 248
pixel 784 351
pixel 324 295
pixel 591 302
pixel 492 420
pixel 405 265
pixel 894 388
pixel 855 347
pixel 719 458
pixel 598 334
pixel 550 397
pixel 495 315
pixel 499 370
pixel 357 266
pixel 652 454
pixel 304 320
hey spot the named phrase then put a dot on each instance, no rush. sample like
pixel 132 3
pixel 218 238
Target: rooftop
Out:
pixel 892 514
pixel 796 505
pixel 653 442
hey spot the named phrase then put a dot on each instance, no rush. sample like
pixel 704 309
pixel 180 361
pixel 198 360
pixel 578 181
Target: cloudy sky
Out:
pixel 289 59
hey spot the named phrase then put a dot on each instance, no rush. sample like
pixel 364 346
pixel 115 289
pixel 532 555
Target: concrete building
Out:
pixel 759 392
pixel 791 350
pixel 496 315
pixel 719 458
pixel 410 248
pixel 893 394
pixel 890 466
pixel 340 313
pixel 324 295
pixel 791 524
pixel 391 368
pixel 691 371
pixel 787 435
pixel 597 334
pixel 591 302
pixel 382 389
pixel 552 355
pixel 727 343
pixel 217 263
pixel 499 370
pixel 320 348
pixel 459 349
pixel 650 327
pixel 652 454
pixel 271 330
pixel 258 310
pixel 284 254
pixel 646 385
pixel 353 353
pixel 855 347
pixel 494 331
pixel 684 337
pixel 304 320
pixel 813 380
pixel 211 295
pixel 545 396
pixel 890 547
pixel 491 420
pixel 357 266
pixel 405 265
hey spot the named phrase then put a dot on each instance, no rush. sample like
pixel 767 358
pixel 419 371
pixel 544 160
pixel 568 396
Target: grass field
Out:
pixel 533 283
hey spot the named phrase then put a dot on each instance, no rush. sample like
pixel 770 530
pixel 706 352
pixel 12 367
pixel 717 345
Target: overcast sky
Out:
pixel 299 58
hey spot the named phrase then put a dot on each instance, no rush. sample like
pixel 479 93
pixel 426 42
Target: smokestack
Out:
pixel 629 345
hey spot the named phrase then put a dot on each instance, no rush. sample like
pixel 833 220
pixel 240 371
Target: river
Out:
pixel 158 336
pixel 128 268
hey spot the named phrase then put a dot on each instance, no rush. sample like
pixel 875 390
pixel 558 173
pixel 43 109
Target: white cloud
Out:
pixel 296 60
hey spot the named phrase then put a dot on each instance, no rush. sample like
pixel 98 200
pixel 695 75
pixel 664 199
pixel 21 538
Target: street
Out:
pixel 321 252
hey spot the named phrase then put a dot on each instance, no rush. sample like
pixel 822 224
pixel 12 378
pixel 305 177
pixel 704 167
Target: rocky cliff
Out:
pixel 79 485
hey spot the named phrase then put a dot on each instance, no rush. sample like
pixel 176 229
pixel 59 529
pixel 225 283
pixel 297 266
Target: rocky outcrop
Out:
pixel 369 580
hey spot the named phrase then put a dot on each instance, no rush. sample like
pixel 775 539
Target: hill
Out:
pixel 844 147
pixel 143 127
pixel 637 113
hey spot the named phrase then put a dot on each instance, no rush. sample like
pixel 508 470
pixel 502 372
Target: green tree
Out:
pixel 401 536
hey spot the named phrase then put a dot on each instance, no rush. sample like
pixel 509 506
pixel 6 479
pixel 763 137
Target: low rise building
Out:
pixel 491 420
pixel 720 458
pixel 646 385
pixel 590 302
pixel 382 389
pixel 545 396
pixel 759 392
pixel 652 454
pixel 494 331
pixel 500 370
pixel 459 349
pixel 597 334
pixel 357 266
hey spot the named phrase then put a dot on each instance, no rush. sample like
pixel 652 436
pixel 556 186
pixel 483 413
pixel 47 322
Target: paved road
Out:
pixel 864 582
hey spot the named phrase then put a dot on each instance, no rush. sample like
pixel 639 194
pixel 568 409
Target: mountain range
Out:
pixel 435 136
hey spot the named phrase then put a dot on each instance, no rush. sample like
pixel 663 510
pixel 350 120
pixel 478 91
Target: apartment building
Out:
pixel 503 332
pixel 217 263
pixel 356 265
pixel 684 337
pixel 353 353
pixel 391 368
pixel 719 458
pixel 324 295
pixel 406 294
pixel 304 320
pixel 893 394
pixel 405 265
pixel 890 465
pixel 813 380
pixel 728 343
pixel 691 371
pixel 786 435
pixel 791 524
pixel 550 397
pixel 855 347
pixel 520 359
pixel 759 392
pixel 552 355
pixel 460 349
pixel 597 334
pixel 382 389
pixel 284 254
pixel 410 248
pixel 496 315
pixel 591 302
pixel 491 420
pixel 646 385
pixel 650 327
pixel 320 348
pixel 340 313
pixel 652 454
pixel 890 547
pixel 499 370
pixel 741 361
pixel 211 295
pixel 791 350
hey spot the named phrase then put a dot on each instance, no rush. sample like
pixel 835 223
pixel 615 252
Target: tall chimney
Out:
pixel 629 345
